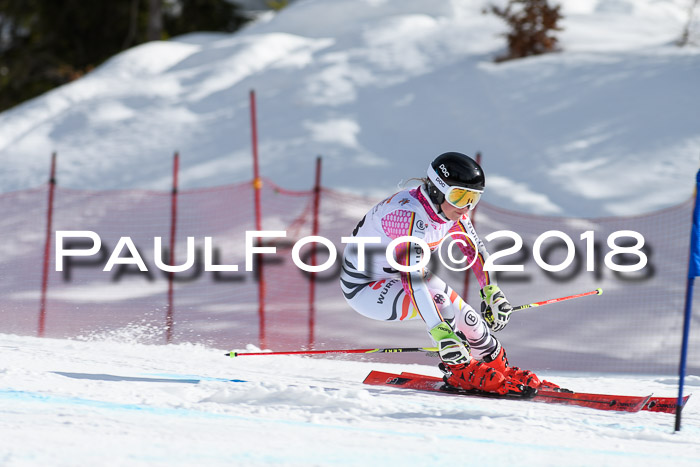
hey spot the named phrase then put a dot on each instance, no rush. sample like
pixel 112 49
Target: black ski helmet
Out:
pixel 455 169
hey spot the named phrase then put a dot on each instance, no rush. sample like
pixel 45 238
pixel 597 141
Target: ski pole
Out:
pixel 428 350
pixel 597 291
pixel 343 351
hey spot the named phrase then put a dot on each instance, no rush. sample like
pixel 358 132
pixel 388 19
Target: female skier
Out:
pixel 438 208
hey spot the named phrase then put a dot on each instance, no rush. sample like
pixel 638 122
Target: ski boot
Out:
pixel 498 361
pixel 475 375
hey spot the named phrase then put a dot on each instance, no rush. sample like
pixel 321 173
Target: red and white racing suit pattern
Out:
pixel 381 292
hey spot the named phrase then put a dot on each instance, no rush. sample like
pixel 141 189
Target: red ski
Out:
pixel 435 384
pixel 655 404
pixel 664 404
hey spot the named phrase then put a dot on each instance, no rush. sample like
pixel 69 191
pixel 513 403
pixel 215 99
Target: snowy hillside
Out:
pixel 607 127
pixel 66 403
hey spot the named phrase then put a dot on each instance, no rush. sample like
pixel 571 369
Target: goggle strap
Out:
pixel 437 180
pixel 442 184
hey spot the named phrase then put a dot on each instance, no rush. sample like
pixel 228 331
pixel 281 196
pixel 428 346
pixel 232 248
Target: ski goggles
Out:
pixel 457 196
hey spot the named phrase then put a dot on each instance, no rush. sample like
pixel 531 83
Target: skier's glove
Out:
pixel 495 308
pixel 450 347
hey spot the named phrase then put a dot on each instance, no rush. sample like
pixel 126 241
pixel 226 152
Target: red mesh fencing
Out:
pixel 635 326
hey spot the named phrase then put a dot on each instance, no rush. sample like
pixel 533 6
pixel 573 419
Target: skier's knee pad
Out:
pixel 474 329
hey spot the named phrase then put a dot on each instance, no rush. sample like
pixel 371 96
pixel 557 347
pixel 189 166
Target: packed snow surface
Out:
pixel 69 402
pixel 608 126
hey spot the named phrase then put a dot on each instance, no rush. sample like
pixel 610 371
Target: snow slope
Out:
pixel 379 88
pixel 607 127
pixel 66 403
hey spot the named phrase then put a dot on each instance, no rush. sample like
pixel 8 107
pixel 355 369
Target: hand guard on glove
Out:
pixel 450 347
pixel 495 308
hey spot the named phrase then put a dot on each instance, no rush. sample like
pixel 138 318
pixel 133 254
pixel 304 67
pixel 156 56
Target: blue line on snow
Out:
pixel 51 399
pixel 48 398
pixel 149 378
pixel 176 376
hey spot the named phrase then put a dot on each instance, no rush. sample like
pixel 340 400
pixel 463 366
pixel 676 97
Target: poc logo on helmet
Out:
pixel 444 170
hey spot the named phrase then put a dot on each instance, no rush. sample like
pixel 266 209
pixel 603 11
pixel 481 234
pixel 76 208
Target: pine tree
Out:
pixel 47 43
pixel 184 16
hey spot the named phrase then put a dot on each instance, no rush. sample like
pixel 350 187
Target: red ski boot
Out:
pixel 478 375
pixel 499 362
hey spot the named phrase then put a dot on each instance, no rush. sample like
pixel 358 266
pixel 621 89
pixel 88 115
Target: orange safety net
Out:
pixel 635 326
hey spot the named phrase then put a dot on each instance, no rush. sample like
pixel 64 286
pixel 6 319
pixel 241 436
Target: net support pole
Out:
pixel 314 232
pixel 467 273
pixel 257 186
pixel 47 248
pixel 170 315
